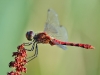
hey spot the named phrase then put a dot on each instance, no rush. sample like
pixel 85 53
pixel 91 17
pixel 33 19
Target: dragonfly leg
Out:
pixel 32 47
pixel 35 55
pixel 27 44
pixel 36 50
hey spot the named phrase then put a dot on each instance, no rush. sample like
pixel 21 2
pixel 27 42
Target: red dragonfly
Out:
pixel 53 34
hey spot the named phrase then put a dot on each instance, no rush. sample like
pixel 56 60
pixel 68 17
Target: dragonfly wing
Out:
pixel 54 29
pixel 51 23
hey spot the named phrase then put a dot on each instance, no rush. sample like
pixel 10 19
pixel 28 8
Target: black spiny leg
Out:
pixel 31 50
pixel 33 46
pixel 35 55
pixel 36 50
pixel 27 44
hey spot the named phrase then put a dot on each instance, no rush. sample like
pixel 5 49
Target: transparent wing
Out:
pixel 54 29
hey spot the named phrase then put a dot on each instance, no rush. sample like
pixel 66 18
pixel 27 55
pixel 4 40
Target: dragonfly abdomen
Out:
pixel 87 46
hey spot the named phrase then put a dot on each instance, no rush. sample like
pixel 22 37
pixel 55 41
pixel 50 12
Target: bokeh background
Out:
pixel 81 18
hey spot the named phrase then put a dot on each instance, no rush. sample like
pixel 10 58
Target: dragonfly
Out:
pixel 53 34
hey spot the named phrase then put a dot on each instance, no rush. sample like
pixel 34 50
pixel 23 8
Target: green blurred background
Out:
pixel 82 21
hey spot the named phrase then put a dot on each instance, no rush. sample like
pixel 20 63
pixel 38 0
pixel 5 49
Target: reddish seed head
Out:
pixel 21 46
pixel 21 69
pixel 20 61
pixel 16 54
pixel 12 64
pixel 13 73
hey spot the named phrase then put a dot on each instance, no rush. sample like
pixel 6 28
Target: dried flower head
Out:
pixel 20 61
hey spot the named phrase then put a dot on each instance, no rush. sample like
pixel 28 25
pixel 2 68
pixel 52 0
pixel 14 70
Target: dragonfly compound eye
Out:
pixel 29 35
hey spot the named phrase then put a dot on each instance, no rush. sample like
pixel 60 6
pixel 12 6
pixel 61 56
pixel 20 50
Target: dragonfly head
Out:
pixel 29 35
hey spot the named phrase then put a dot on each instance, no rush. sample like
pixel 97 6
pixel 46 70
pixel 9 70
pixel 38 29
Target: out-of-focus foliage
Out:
pixel 81 18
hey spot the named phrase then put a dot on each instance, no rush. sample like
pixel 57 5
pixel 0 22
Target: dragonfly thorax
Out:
pixel 42 37
pixel 30 35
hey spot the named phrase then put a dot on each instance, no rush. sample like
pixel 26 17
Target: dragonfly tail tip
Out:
pixel 92 47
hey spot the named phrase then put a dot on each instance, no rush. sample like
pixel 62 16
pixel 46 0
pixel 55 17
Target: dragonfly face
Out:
pixel 30 35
